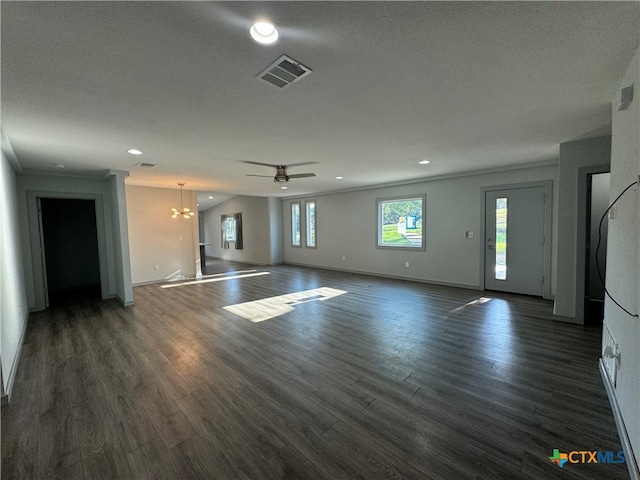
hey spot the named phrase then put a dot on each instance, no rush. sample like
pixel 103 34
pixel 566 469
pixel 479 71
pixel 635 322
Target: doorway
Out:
pixel 596 241
pixel 515 240
pixel 70 249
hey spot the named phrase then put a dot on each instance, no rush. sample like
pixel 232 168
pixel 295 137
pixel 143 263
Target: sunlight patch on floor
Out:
pixel 477 301
pixel 216 279
pixel 267 308
pixel 178 277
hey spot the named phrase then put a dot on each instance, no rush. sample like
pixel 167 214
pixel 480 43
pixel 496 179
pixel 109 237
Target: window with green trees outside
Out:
pixel 401 222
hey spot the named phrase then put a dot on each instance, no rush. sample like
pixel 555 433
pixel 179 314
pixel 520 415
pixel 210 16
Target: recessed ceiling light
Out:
pixel 134 151
pixel 264 32
pixel 424 162
pixel 284 188
pixel 339 178
pixel 210 197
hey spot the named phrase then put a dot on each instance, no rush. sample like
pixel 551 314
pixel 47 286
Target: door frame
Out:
pixel 581 234
pixel 35 233
pixel 547 225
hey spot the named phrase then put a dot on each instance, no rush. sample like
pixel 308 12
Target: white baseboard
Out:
pixel 383 275
pixel 632 464
pixel 6 398
pixel 562 318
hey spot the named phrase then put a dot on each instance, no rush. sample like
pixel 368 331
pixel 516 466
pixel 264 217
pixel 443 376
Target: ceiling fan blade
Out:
pixel 252 175
pixel 260 163
pixel 302 175
pixel 300 164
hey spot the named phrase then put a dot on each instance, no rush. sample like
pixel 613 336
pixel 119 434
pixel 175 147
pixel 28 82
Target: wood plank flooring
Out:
pixel 393 379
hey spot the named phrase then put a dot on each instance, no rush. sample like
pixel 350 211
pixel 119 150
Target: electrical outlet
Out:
pixel 406 264
pixel 156 268
pixel 344 258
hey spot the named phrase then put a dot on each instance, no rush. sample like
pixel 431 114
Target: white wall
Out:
pixel 260 246
pixel 623 254
pixel 122 259
pixel 275 226
pixel 157 239
pixel 13 297
pixel 577 159
pixel 347 227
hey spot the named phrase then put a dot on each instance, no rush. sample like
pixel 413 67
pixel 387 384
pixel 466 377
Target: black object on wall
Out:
pixel 71 249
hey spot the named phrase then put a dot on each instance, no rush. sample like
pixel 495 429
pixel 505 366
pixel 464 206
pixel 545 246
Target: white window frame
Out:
pixel 308 224
pixel 379 222
pixel 230 229
pixel 296 242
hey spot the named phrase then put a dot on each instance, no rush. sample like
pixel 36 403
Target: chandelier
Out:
pixel 185 212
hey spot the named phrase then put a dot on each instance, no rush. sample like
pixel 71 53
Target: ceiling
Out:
pixel 465 85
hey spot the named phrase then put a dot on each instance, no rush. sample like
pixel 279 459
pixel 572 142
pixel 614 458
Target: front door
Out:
pixel 514 240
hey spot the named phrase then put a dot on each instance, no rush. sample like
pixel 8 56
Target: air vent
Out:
pixel 283 72
pixel 145 165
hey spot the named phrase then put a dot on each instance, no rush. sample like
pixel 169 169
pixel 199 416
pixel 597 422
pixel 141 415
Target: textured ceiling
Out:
pixel 466 85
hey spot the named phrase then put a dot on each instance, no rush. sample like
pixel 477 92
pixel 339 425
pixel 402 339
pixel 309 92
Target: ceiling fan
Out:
pixel 281 171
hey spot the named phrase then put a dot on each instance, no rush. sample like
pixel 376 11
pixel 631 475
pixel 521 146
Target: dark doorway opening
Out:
pixel 597 204
pixel 71 256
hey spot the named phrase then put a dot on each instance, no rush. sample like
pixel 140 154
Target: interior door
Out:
pixel 514 240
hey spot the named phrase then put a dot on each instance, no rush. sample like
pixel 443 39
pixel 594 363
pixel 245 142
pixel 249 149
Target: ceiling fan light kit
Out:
pixel 184 212
pixel 281 175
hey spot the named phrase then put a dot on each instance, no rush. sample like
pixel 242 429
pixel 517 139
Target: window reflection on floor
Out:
pixel 477 301
pixel 497 331
pixel 267 308
pixel 495 316
pixel 223 277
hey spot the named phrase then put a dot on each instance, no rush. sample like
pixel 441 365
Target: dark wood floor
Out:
pixel 390 380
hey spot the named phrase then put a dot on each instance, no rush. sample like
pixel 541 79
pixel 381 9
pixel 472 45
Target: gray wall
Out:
pixel 261 230
pixel 577 160
pixel 347 228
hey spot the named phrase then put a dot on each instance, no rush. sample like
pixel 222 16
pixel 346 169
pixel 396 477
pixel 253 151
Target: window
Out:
pixel 230 230
pixel 501 239
pixel 310 224
pixel 400 222
pixel 295 224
